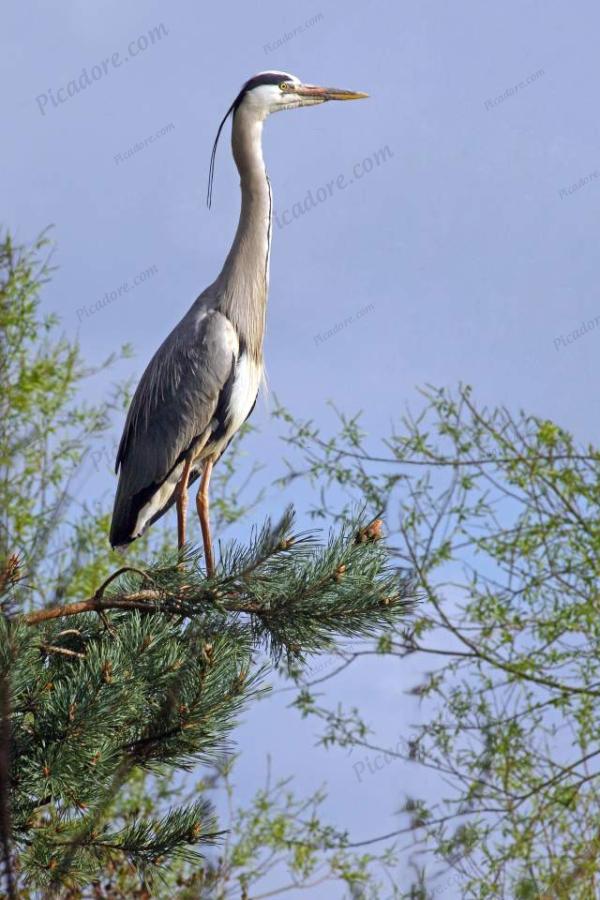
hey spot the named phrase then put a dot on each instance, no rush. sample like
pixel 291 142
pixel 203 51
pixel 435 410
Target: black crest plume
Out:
pixel 263 78
pixel 211 170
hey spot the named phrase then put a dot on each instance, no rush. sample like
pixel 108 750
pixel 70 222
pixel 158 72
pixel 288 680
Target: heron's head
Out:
pixel 269 92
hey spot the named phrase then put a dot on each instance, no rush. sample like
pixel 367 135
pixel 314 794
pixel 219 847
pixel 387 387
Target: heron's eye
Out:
pixel 285 86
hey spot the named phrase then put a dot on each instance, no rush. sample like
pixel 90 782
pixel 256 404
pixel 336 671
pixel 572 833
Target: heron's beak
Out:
pixel 315 93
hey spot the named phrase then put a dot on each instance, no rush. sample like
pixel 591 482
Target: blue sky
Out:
pixel 463 256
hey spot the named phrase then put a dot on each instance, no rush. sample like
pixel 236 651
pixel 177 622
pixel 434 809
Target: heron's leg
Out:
pixel 202 505
pixel 182 501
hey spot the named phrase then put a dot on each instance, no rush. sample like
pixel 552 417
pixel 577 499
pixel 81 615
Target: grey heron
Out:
pixel 202 383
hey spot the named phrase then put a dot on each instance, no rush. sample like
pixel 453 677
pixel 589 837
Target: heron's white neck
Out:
pixel 244 277
pixel 246 144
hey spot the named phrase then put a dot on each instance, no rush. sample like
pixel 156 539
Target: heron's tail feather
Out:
pixel 134 513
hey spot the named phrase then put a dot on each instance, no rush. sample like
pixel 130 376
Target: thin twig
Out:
pixel 50 648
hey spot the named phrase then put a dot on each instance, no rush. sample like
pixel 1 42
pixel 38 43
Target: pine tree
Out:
pixel 110 672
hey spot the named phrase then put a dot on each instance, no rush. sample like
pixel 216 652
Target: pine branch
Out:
pixel 297 593
pixel 155 675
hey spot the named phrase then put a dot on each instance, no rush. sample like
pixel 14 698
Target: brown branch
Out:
pixel 152 601
pixel 144 600
pixel 147 601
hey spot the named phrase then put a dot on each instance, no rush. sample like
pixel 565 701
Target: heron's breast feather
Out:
pixel 246 381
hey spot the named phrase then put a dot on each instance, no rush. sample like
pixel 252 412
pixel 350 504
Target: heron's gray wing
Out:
pixel 178 398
